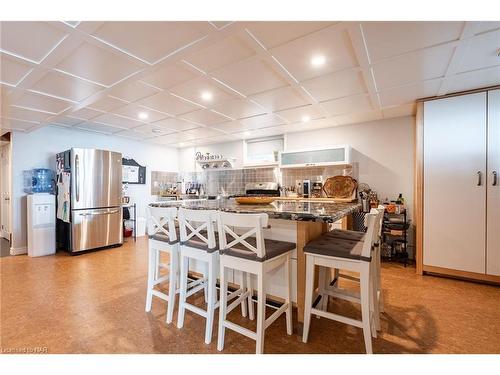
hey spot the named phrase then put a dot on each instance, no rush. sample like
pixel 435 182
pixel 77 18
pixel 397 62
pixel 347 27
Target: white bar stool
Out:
pixel 197 232
pixel 162 238
pixel 251 255
pixel 329 252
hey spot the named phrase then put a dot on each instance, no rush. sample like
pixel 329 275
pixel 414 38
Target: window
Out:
pixel 263 151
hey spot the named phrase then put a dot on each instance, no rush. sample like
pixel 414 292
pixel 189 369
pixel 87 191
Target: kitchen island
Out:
pixel 296 221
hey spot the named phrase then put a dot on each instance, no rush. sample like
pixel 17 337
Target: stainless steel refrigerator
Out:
pixel 89 197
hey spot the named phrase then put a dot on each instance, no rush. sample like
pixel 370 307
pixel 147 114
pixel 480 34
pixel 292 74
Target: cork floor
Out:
pixel 94 303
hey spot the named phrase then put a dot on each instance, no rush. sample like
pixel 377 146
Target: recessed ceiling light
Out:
pixel 206 96
pixel 181 144
pixel 247 133
pixel 143 115
pixel 318 60
pixel 306 118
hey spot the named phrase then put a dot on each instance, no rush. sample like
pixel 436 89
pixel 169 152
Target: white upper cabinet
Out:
pixel 335 155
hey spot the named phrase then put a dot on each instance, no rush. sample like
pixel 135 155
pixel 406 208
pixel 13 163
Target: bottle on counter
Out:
pixel 400 199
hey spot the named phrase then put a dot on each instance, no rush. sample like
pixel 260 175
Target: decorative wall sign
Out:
pixel 207 156
pixel 133 172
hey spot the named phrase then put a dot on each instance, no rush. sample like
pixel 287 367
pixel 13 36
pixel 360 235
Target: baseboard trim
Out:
pixel 18 250
pixel 464 275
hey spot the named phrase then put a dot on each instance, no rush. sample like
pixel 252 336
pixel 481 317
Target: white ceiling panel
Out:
pixel 356 118
pixel 482 52
pixel 386 39
pixel 409 93
pixel 336 85
pixel 473 80
pixel 272 34
pixel 298 114
pixel 261 121
pixel 250 76
pixel 170 74
pixel 413 67
pixel 350 104
pixel 67 121
pixel 401 110
pixel 134 135
pixel 41 102
pixel 312 125
pixel 12 70
pixel 151 40
pixel 14 124
pixel 488 26
pixel 31 40
pixel 98 128
pixel 216 55
pixel 108 103
pixel 99 65
pixel 134 111
pixel 175 124
pixel 194 89
pixel 217 139
pixel 133 91
pixel 230 127
pixel 85 113
pixel 168 139
pixel 282 98
pixel 65 86
pixel 240 108
pixel 118 121
pixel 205 117
pixel 190 135
pixel 150 130
pixel 167 103
pixel 25 114
pixel 264 132
pixel 332 43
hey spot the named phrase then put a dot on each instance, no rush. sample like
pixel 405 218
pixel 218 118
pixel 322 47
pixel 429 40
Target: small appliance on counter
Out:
pixel 306 188
pixel 316 189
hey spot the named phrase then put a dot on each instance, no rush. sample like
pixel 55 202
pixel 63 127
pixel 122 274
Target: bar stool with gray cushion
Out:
pixel 329 252
pixel 243 248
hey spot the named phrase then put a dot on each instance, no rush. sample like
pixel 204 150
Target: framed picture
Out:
pixel 133 172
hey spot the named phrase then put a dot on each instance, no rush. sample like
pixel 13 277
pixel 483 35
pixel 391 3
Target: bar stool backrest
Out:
pixel 372 223
pixel 161 221
pixel 195 224
pixel 252 223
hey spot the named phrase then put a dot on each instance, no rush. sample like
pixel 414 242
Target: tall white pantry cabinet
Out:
pixel 461 185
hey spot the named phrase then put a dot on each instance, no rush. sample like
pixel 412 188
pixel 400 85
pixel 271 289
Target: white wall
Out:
pixel 38 149
pixel 187 161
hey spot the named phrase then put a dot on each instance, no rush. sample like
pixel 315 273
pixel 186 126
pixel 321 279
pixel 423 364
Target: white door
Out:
pixel 455 183
pixel 493 190
pixel 5 191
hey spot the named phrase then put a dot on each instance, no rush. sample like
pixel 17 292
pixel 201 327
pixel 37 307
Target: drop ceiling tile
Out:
pixel 12 70
pixel 350 104
pixel 86 113
pixel 282 98
pixel 272 34
pixel 240 108
pixel 99 65
pixel 230 127
pixel 118 121
pixel 175 124
pixel 151 130
pixel 25 114
pixel 336 85
pixel 134 135
pixel 190 135
pixel 474 79
pixel 152 40
pixel 164 102
pixel 261 121
pixel 297 114
pixel 169 74
pixel 215 140
pixel 67 121
pixel 133 91
pixel 31 40
pixel 250 76
pixel 41 103
pixel 168 139
pixel 356 118
pixel 98 128
pixel 65 86
pixel 413 67
pixel 219 54
pixel 193 90
pixel 19 125
pixel 205 117
pixel 333 43
pixel 401 110
pixel 482 52
pixel 386 39
pixel 409 93
pixel 264 132
pixel 132 111
pixel 312 125
pixel 107 103
pixel 486 26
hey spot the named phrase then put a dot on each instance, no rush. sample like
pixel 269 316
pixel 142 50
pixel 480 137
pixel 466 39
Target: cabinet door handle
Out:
pixel 494 178
pixel 479 175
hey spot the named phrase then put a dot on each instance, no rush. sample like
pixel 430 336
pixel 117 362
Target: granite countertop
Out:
pixel 327 212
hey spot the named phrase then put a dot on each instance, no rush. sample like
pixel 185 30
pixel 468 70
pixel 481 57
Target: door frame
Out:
pixel 8 147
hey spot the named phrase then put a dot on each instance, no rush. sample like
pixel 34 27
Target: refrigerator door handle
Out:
pixel 77 181
pixel 99 213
